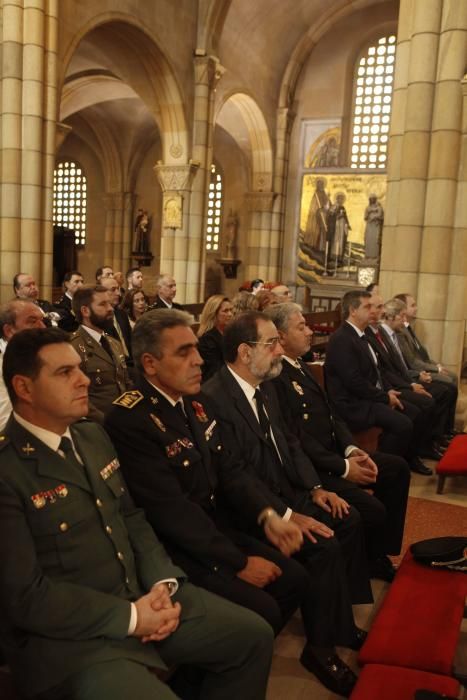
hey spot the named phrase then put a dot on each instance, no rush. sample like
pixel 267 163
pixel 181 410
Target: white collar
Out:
pixel 95 335
pixel 247 389
pixel 294 363
pixel 166 396
pixel 168 304
pixel 357 330
pixel 49 438
pixel 388 330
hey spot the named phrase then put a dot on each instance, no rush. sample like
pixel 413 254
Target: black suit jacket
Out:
pixel 67 320
pixel 159 304
pixel 351 377
pixel 173 473
pixel 211 350
pixel 305 408
pixel 242 434
pixel 391 367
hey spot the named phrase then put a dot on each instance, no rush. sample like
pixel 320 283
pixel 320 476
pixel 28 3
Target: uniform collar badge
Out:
pixel 28 449
pixel 129 399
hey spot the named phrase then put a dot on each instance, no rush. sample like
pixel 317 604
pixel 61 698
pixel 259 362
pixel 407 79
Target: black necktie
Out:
pixel 262 416
pixel 66 447
pixel 379 383
pixel 279 477
pixel 414 337
pixel 106 345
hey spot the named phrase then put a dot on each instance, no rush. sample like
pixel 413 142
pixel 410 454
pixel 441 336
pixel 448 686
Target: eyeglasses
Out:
pixel 270 343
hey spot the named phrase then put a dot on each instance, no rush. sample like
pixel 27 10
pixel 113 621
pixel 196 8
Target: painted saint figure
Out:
pixel 338 227
pixel 374 217
pixel 316 227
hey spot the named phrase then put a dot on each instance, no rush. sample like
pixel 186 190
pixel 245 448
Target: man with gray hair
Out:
pixel 342 466
pixel 170 449
pixel 15 316
pixel 166 291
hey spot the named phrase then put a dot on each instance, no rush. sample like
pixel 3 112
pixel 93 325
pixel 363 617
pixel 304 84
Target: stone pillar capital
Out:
pixel 208 70
pixel 176 178
pixel 260 201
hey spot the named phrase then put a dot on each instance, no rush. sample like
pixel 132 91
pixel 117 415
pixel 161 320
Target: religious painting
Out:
pixel 321 140
pixel 341 221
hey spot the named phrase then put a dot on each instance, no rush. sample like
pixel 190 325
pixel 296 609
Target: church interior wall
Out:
pixel 324 87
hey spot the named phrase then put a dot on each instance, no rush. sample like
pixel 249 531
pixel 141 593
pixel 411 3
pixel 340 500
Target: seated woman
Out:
pixel 134 304
pixel 215 316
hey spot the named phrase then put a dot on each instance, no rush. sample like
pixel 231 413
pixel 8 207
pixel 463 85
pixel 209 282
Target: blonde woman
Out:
pixel 217 313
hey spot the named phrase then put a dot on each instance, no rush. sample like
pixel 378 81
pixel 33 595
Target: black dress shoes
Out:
pixel 383 569
pixel 330 670
pixel 431 452
pixel 417 466
pixel 360 639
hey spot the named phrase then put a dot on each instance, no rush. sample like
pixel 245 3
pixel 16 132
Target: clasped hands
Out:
pixel 158 616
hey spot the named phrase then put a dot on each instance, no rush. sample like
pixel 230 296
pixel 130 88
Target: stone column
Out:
pixel 118 229
pixel 285 120
pixel 28 131
pixel 423 171
pixel 263 249
pixel 180 250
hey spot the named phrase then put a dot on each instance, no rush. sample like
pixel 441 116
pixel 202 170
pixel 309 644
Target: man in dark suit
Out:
pixel 72 281
pixel 102 357
pixel 174 459
pixel 84 580
pixel 120 328
pixel 434 399
pixel 25 288
pixel 333 551
pixel 166 291
pixel 357 388
pixel 325 438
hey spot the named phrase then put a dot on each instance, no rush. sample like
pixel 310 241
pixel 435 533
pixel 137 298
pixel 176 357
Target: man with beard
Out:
pixel 102 357
pixel 248 412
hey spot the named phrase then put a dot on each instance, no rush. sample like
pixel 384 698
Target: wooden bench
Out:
pixel 419 622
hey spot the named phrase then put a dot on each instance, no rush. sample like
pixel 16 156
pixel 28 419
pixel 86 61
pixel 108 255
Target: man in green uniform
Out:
pixel 90 601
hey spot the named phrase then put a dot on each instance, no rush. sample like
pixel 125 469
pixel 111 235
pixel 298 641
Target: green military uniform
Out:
pixel 75 551
pixel 109 375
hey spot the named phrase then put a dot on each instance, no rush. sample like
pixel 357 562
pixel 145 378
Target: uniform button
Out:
pixel 186 462
pixel 212 498
pixel 63 527
pixel 122 490
pixel 219 447
pixel 304 405
pixel 127 580
pixel 305 416
pixel 108 529
pixel 120 556
pixel 98 503
pixel 216 568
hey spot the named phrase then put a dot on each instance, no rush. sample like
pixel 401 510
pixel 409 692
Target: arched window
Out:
pixel 213 226
pixel 373 85
pixel 69 208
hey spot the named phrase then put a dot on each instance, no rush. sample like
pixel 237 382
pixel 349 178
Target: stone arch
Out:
pixel 135 61
pixel 212 14
pixel 253 124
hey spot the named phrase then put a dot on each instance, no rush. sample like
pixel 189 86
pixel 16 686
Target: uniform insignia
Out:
pixel 108 470
pixel 208 432
pixel 28 449
pixel 154 400
pixel 98 380
pixel 158 422
pixel 199 411
pixel 38 500
pixel 81 347
pixel 298 388
pixel 129 399
pixel 61 491
pixel 176 447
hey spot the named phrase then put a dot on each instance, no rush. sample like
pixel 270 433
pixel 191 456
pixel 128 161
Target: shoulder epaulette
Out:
pixel 129 399
pixel 74 335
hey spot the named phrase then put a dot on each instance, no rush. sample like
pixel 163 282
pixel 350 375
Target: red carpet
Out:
pixel 426 519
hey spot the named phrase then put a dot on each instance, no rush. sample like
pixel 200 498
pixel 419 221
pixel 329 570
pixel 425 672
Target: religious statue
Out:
pixel 328 155
pixel 231 234
pixel 173 215
pixel 338 228
pixel 316 226
pixel 374 217
pixel 142 231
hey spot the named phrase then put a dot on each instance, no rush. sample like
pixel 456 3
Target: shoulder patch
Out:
pixel 4 441
pixel 129 399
